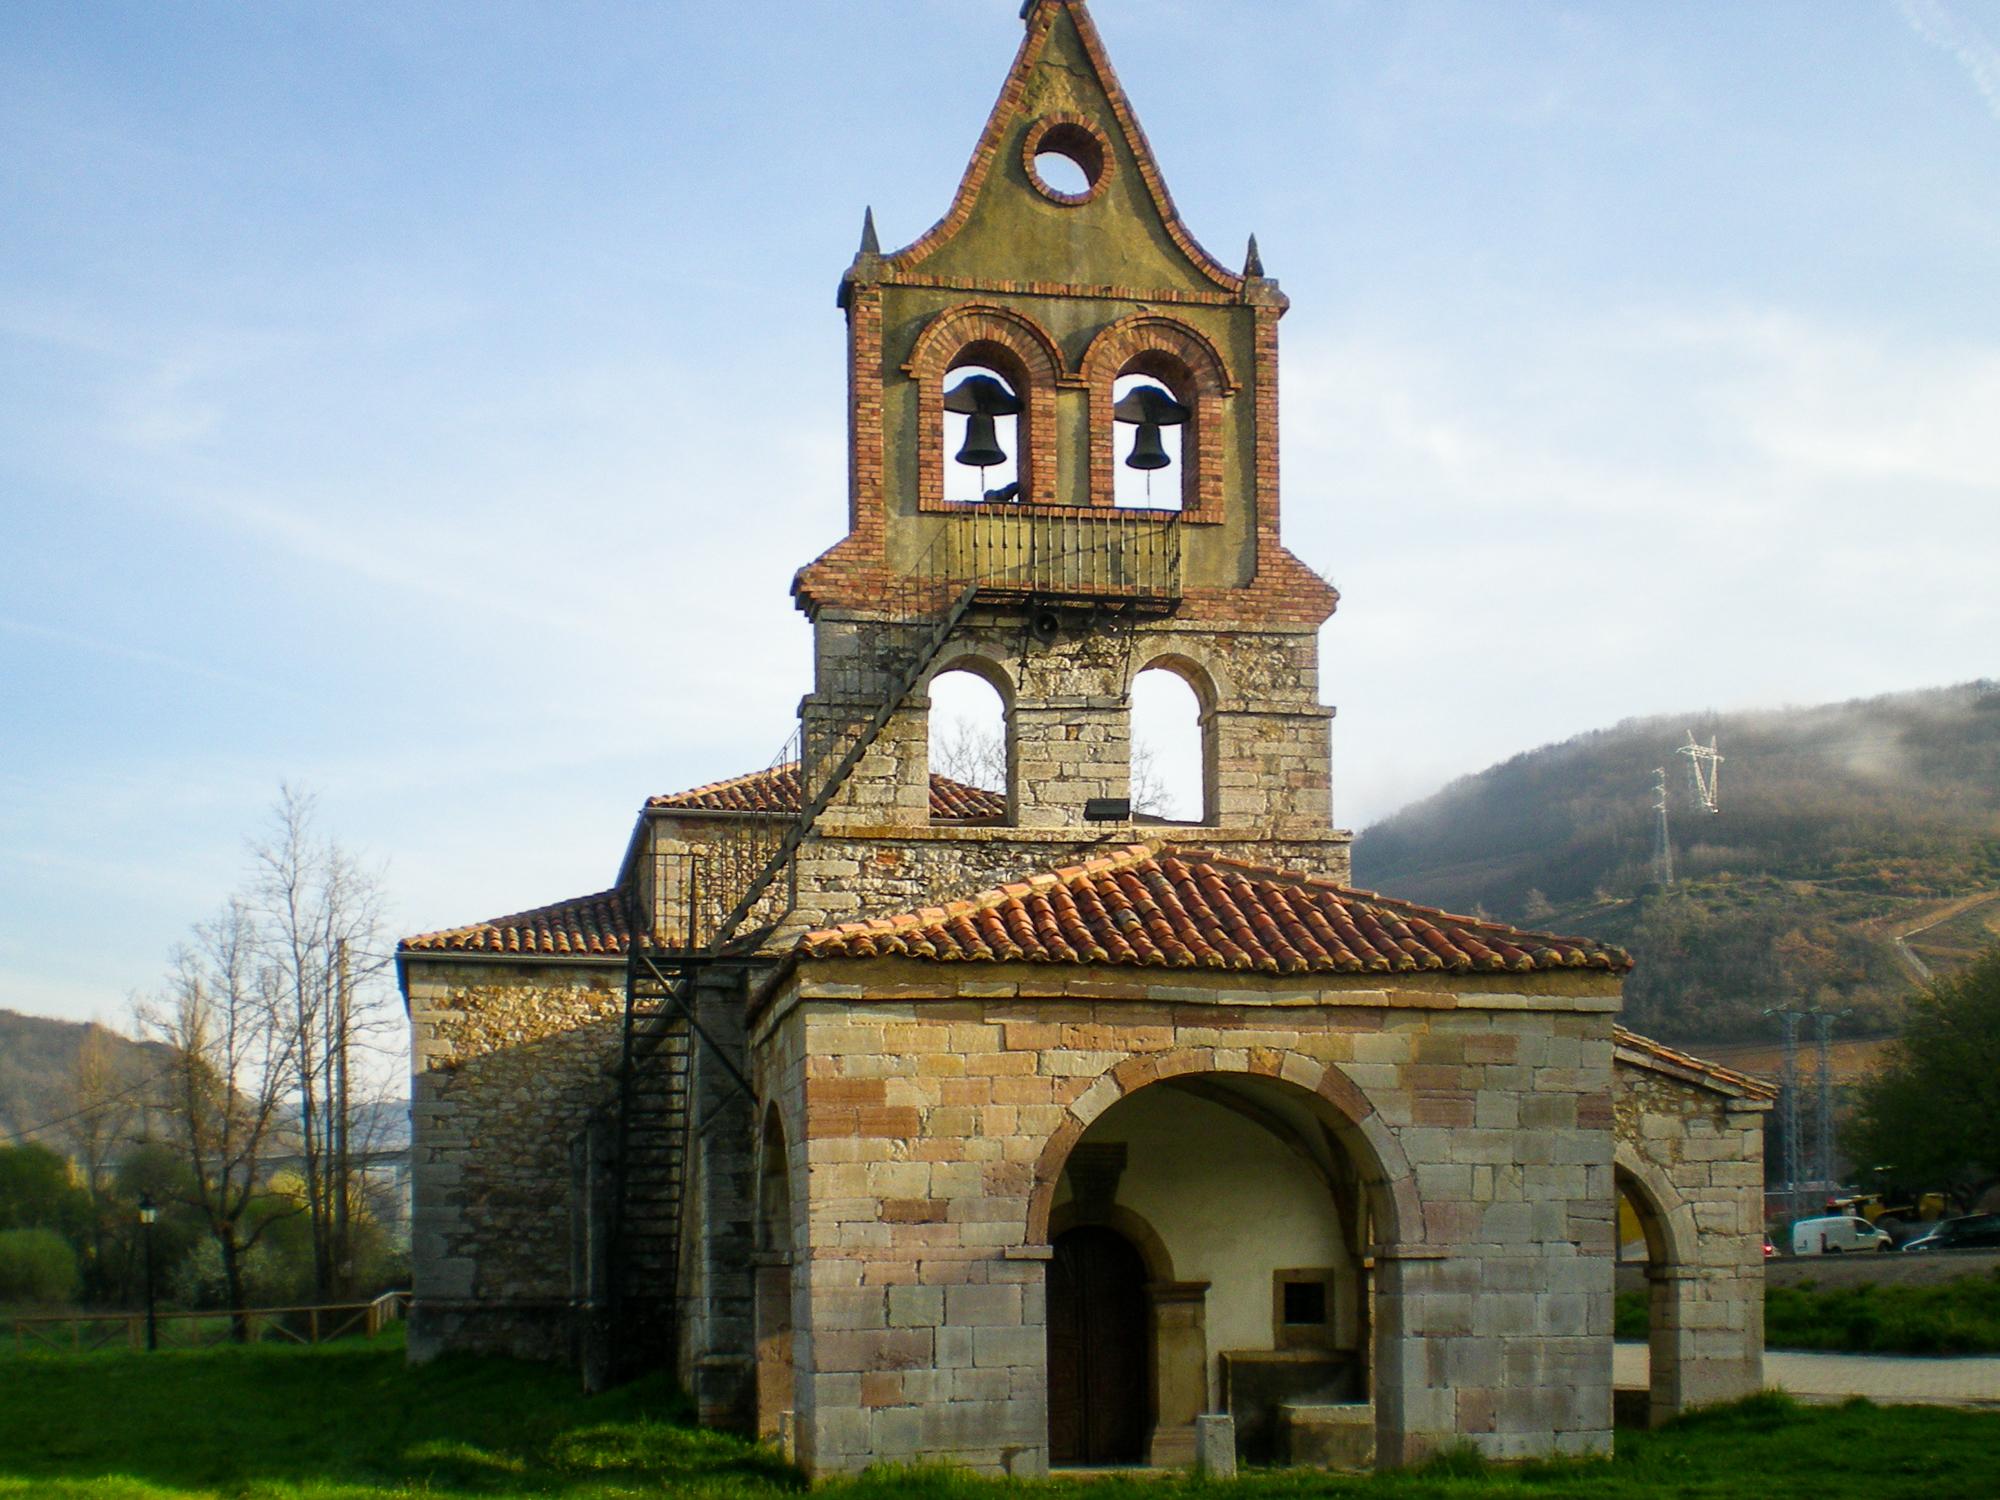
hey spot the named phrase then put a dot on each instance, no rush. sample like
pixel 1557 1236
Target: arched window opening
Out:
pixel 1169 771
pixel 982 434
pixel 1149 442
pixel 970 745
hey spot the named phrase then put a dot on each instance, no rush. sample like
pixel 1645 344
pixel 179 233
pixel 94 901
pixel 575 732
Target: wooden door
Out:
pixel 1098 1357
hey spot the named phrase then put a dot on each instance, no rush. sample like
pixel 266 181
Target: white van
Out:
pixel 1837 1233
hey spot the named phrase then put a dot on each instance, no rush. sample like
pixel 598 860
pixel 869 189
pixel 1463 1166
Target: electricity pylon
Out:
pixel 1663 844
pixel 1704 771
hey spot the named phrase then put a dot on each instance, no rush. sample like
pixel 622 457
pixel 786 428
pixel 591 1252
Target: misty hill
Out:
pixel 38 1068
pixel 1856 849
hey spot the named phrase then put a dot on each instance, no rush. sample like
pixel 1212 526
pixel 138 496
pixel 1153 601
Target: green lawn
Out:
pixel 353 1421
pixel 1961 1316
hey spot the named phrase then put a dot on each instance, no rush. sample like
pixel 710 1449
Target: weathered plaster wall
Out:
pixel 508 1060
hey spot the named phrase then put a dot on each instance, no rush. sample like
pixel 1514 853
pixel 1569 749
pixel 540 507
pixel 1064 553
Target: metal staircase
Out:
pixel 735 894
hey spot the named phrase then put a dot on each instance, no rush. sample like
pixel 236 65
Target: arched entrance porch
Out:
pixel 1224 1222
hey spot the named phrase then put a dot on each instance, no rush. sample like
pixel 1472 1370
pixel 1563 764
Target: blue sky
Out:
pixel 429 404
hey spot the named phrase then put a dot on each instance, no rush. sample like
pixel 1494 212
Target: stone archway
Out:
pixel 1278 1326
pixel 772 1285
pixel 1672 1238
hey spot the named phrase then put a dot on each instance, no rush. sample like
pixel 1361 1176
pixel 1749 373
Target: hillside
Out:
pixel 1857 849
pixel 39 1074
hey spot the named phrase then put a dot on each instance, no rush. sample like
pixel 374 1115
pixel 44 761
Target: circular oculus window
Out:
pixel 1067 159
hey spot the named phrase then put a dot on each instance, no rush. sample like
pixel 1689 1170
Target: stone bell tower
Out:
pixel 1100 331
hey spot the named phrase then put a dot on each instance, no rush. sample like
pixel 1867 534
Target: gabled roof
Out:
pixel 582 927
pixel 1658 1057
pixel 1100 92
pixel 1160 906
pixel 777 791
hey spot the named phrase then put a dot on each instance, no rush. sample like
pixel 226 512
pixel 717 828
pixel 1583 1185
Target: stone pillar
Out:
pixel 1180 1369
pixel 1415 1410
pixel 774 1345
pixel 857 666
pixel 1273 770
pixel 1066 752
pixel 1215 1446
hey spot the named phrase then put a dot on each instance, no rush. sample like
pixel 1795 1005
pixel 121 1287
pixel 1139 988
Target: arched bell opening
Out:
pixel 971 743
pixel 1182 422
pixel 772 1288
pixel 1152 411
pixel 1245 1210
pixel 1173 744
pixel 984 407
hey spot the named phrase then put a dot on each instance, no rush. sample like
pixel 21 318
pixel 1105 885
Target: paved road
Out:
pixel 1890 1379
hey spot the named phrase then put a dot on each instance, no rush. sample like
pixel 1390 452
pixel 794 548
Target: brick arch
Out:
pixel 1185 360
pixel 1385 1171
pixel 1017 346
pixel 1661 1207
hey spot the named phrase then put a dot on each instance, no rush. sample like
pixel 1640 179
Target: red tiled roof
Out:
pixel 777 791
pixel 586 926
pixel 1151 904
pixel 1648 1052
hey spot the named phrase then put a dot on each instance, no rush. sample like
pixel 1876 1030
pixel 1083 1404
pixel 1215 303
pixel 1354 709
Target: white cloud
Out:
pixel 1937 24
pixel 1630 514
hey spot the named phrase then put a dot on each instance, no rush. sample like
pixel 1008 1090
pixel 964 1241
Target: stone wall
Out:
pixel 937 1111
pixel 1691 1158
pixel 508 1061
pixel 1068 701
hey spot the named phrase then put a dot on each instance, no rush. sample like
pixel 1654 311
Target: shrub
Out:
pixel 36 1266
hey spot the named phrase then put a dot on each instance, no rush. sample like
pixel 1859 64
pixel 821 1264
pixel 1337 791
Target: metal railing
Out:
pixel 1026 554
pixel 83 1333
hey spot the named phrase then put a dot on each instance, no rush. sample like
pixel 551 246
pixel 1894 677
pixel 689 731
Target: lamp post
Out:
pixel 149 1212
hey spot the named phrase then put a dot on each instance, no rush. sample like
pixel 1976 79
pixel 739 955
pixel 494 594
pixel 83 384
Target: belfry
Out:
pixel 911 1120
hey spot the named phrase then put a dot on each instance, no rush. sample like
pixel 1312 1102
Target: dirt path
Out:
pixel 1935 918
pixel 1890 1379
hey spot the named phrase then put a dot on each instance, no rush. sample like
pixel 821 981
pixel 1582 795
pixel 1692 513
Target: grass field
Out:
pixel 353 1422
pixel 1955 1317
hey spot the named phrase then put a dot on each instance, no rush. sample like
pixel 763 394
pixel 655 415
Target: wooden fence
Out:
pixel 80 1333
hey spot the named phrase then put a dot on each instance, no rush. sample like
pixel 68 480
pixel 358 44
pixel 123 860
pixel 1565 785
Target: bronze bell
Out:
pixel 979 399
pixel 1149 408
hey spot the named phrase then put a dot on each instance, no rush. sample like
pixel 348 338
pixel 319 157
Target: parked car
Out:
pixel 1836 1233
pixel 1972 1232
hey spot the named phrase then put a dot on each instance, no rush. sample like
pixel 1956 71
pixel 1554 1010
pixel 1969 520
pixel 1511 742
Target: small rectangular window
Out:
pixel 1305 1303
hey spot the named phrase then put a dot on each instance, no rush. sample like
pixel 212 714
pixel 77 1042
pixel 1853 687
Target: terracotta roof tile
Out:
pixel 777 791
pixel 1161 906
pixel 1645 1050
pixel 586 926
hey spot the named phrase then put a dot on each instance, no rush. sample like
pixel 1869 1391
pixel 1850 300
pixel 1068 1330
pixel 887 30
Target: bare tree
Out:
pixel 224 1091
pixel 1150 793
pixel 106 1110
pixel 966 751
pixel 321 919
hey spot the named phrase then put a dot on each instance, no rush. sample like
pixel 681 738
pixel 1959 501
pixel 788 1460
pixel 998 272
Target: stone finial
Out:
pixel 870 244
pixel 1253 263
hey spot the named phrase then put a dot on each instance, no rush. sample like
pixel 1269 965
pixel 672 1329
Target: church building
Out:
pixel 910 1121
